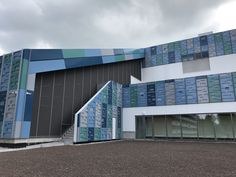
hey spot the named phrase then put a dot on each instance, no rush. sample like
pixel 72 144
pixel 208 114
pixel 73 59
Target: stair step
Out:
pixel 67 137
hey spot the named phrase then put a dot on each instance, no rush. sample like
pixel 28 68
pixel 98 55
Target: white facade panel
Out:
pixel 220 64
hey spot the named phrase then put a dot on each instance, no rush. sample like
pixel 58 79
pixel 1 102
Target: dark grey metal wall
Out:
pixel 59 95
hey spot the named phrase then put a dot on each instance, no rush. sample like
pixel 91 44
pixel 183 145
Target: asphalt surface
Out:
pixel 124 158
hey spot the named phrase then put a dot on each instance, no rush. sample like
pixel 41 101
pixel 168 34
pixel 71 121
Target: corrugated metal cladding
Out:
pixel 60 94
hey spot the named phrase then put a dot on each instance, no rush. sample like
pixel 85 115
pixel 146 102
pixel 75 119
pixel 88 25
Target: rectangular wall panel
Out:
pixel 126 96
pixel 133 96
pixel 227 89
pixel 233 40
pixel 180 95
pixel 170 92
pixel 227 43
pixel 151 96
pixel 5 72
pixel 211 45
pixel 160 93
pixel 234 80
pixel 214 88
pixel 191 90
pixel 202 89
pixel 177 52
pixel 219 44
pixel 142 95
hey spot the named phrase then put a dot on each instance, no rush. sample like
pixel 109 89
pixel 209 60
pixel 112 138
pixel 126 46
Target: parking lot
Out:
pixel 124 158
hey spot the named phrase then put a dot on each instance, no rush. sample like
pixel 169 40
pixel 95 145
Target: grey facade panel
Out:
pixel 59 94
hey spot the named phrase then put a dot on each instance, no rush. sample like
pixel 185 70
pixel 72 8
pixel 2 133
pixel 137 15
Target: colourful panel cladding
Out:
pixel 5 72
pixel 14 75
pixel 133 96
pixel 227 89
pixel 24 73
pixel 73 53
pixel 234 80
pixel 227 43
pixel 3 95
pixel 44 54
pixel 160 93
pixel 180 95
pixel 202 89
pixel 119 57
pixel 44 60
pixel 210 45
pixel 170 92
pixel 15 69
pixel 25 130
pixel 151 94
pixel 214 88
pixel 193 90
pixel 94 122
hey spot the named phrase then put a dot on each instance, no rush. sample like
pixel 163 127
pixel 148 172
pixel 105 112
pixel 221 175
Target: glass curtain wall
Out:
pixel 205 126
pixel 233 116
pixel 159 126
pixel 223 126
pixel 194 126
pixel 189 125
pixel 173 126
pixel 149 127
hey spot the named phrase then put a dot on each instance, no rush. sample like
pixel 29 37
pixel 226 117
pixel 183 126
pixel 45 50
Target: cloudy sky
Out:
pixel 108 23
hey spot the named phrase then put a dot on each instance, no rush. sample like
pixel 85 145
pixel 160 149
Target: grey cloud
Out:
pixel 99 23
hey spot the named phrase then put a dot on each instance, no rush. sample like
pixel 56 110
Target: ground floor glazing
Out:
pixel 193 126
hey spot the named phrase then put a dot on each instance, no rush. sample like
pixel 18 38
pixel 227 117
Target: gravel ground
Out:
pixel 124 158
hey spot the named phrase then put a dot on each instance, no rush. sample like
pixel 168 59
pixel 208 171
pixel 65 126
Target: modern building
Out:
pixel 182 89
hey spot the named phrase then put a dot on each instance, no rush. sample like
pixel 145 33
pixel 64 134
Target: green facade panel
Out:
pixel 73 53
pixel 24 73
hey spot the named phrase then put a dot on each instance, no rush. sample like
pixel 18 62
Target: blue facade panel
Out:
pixel 142 95
pixel 90 134
pixel 82 61
pixel 160 93
pixel 45 54
pixel 180 95
pixel 47 65
pixel 219 44
pixel 151 96
pixel 202 89
pixel 227 89
pixel 104 115
pixel 126 96
pixel 191 90
pixel 170 92
pixel 22 107
pixel 25 130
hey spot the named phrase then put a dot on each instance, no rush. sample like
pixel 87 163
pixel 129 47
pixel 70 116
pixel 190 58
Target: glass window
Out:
pixel 205 126
pixel 234 123
pixel 148 127
pixel 173 126
pixel 223 125
pixel 140 127
pixel 159 125
pixel 189 126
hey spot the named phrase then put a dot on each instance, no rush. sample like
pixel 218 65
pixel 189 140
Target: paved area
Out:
pixel 124 158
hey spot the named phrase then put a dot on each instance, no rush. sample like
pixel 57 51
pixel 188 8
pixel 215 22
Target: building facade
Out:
pixel 182 89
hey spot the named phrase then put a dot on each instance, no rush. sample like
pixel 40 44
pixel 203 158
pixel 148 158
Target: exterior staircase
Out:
pixel 67 137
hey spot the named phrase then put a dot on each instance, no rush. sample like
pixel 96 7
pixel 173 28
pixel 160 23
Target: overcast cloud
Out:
pixel 108 23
